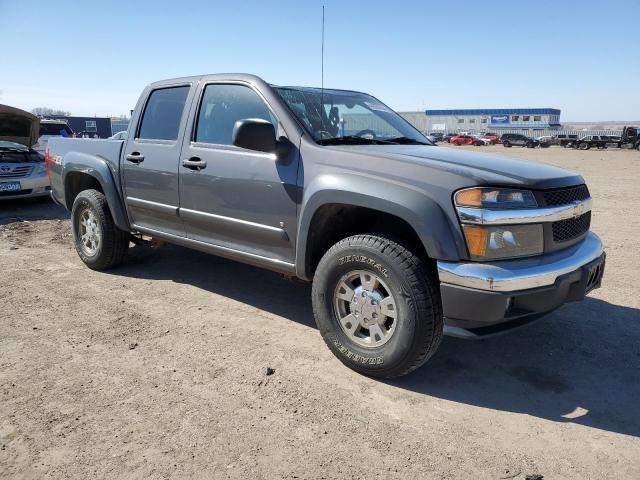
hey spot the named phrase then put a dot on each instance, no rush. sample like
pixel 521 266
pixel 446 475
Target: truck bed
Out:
pixel 74 154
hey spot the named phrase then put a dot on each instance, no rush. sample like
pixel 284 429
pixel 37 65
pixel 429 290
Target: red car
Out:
pixel 466 140
pixel 495 139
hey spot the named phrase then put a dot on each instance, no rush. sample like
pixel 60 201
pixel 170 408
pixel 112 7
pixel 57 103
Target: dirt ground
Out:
pixel 158 369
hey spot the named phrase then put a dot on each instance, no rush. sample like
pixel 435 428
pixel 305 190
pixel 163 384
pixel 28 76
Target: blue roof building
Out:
pixel 482 119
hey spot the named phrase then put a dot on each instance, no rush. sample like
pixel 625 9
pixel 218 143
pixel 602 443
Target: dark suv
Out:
pixel 519 140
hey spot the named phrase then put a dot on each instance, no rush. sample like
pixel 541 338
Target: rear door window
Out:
pixel 162 114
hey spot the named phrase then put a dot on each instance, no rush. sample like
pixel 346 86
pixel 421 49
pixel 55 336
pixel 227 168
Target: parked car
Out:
pixel 485 140
pixel 495 138
pixel 466 139
pixel 436 136
pixel 22 169
pixel 421 242
pixel 49 129
pixel 545 141
pixel 519 140
pixel 119 136
pixel 447 137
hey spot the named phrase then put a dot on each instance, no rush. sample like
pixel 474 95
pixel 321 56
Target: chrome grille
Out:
pixel 9 171
pixel 565 230
pixel 563 196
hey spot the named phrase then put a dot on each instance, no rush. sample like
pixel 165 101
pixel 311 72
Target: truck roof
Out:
pixel 244 77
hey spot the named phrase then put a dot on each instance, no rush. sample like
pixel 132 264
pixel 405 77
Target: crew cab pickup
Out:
pixel 404 241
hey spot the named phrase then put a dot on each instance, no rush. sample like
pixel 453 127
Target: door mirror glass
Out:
pixel 255 134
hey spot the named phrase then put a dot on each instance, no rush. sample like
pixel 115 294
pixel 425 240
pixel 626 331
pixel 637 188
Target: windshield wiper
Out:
pixel 406 141
pixel 352 140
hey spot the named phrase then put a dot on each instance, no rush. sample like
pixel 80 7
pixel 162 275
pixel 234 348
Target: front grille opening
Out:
pixel 564 196
pixel 565 230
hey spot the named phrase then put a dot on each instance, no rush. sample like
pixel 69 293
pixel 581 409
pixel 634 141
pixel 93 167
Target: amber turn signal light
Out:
pixel 476 240
pixel 471 197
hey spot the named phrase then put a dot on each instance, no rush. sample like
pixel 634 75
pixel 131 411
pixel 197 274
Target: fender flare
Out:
pixel 98 168
pixel 440 236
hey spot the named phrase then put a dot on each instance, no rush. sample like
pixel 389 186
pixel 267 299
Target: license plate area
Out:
pixel 10 187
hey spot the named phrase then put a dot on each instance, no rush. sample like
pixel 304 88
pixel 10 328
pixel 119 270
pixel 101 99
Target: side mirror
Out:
pixel 254 134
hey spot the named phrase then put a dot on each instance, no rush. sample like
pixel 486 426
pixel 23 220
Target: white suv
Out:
pixel 51 128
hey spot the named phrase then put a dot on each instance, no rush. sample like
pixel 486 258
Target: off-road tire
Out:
pixel 415 288
pixel 114 242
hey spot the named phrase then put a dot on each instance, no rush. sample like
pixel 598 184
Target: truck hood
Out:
pixel 18 126
pixel 481 168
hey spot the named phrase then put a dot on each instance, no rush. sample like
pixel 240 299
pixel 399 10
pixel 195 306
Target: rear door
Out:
pixel 150 166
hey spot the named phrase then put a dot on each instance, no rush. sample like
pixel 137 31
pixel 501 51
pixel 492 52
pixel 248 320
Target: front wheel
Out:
pixel 506 144
pixel 377 306
pixel 98 241
pixel 583 146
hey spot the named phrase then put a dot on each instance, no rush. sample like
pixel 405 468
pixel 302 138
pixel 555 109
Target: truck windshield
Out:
pixel 334 117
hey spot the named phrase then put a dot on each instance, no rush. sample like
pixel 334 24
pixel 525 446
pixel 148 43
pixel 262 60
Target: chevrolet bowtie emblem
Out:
pixel 578 208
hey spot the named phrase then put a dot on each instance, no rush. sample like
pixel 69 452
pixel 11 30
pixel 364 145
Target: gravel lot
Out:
pixel 158 369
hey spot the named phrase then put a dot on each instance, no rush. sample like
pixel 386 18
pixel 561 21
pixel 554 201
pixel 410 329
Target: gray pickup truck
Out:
pixel 404 241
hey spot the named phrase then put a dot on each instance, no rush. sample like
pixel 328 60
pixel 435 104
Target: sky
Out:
pixel 94 58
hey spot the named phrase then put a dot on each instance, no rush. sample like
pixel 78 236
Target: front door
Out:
pixel 150 166
pixel 230 196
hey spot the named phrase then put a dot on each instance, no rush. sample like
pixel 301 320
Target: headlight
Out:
pixel 497 242
pixel 497 198
pixel 40 169
pixel 500 242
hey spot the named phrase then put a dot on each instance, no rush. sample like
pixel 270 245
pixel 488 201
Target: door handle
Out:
pixel 135 157
pixel 194 163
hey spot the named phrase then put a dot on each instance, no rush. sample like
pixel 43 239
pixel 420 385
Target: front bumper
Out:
pixel 31 187
pixel 479 299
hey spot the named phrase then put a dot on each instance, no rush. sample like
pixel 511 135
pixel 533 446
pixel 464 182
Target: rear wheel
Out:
pixel 583 146
pixel 377 306
pixel 98 241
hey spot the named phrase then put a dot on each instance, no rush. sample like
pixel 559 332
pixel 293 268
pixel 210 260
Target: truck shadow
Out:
pixel 31 210
pixel 581 364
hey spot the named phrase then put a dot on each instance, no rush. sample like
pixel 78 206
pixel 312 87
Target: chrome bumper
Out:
pixel 36 183
pixel 522 274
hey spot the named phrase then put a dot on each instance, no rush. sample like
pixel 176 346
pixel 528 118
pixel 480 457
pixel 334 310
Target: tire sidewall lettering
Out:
pixel 368 261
